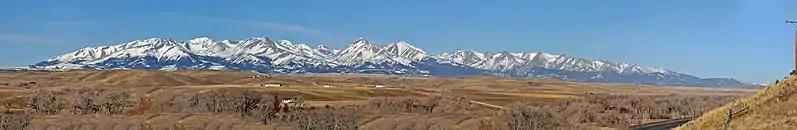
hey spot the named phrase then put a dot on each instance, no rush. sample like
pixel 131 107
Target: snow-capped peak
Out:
pixel 201 40
pixel 325 51
pixel 304 47
pixel 209 47
pixel 504 61
pixel 358 51
pixel 361 42
pixel 264 54
pixel 321 47
pixel 466 57
pixel 402 49
pixel 151 42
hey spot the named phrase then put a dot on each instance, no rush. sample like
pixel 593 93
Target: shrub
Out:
pixel 113 102
pixel 616 111
pixel 326 119
pixel 82 102
pixel 14 121
pixel 426 105
pixel 45 102
pixel 527 117
pixel 241 102
pixel 89 101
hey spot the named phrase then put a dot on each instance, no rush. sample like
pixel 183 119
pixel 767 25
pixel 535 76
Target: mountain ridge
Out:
pixel 263 54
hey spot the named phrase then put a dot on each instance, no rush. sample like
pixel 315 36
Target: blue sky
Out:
pixel 743 39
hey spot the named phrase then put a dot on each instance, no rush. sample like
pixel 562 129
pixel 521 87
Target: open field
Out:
pixel 196 100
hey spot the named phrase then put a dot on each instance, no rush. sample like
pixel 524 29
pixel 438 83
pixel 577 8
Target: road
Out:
pixel 662 125
pixel 471 101
pixel 487 104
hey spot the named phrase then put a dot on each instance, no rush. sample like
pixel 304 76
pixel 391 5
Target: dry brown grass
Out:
pixel 616 111
pixel 231 100
pixel 770 108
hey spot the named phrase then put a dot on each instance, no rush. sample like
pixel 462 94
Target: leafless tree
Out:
pixel 45 102
pixel 327 119
pixel 527 117
pixel 113 102
pixel 14 121
pixel 83 101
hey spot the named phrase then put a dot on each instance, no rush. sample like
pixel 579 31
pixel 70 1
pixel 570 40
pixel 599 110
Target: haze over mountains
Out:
pixel 363 56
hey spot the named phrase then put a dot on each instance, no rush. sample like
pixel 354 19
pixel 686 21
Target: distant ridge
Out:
pixel 265 55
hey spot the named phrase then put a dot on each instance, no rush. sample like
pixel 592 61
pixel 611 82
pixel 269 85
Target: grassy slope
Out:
pixel 772 108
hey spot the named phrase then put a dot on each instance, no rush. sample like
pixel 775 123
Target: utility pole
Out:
pixel 794 22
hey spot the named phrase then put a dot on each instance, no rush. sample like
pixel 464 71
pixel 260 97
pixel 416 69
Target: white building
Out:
pixel 380 86
pixel 271 85
pixel 288 100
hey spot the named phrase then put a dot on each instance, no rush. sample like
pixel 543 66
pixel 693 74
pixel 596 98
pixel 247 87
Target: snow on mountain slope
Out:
pixel 405 51
pixel 325 51
pixel 159 48
pixel 209 47
pixel 465 57
pixel 362 56
pixel 506 61
pixel 361 50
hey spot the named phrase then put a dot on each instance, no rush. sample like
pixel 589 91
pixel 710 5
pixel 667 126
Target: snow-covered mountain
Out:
pixel 362 56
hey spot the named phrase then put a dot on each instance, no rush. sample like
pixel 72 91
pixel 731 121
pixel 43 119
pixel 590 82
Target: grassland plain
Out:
pixel 148 99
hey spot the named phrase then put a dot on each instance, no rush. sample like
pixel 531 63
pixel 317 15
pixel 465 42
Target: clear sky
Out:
pixel 743 39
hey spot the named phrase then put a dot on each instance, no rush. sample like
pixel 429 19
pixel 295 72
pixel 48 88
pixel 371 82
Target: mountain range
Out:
pixel 265 55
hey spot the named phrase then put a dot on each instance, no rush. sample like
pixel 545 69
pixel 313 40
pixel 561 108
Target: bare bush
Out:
pixel 266 110
pixel 45 102
pixel 78 101
pixel 527 117
pixel 82 101
pixel 427 105
pixel 242 102
pixel 89 101
pixel 183 103
pixel 14 121
pixel 113 102
pixel 616 111
pixel 142 106
pixel 327 119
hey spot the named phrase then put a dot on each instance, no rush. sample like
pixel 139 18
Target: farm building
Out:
pixel 271 85
pixel 288 100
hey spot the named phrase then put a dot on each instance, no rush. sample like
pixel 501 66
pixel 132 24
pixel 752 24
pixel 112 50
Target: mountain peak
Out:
pixel 360 50
pixel 465 52
pixel 325 51
pixel 153 39
pixel 152 42
pixel 361 41
pixel 403 44
pixel 285 42
pixel 321 47
pixel 362 56
pixel 303 46
pixel 258 39
pixel 405 50
pixel 201 39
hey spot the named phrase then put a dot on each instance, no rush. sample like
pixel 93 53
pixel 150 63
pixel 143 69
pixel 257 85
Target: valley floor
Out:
pixel 138 99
